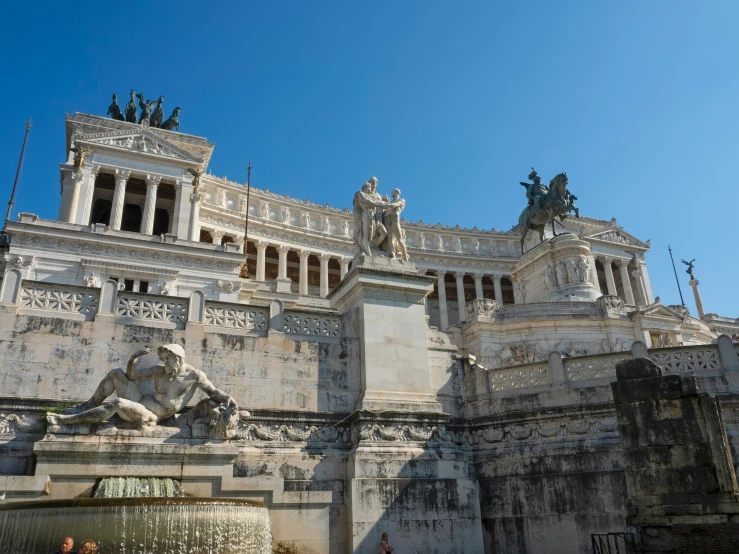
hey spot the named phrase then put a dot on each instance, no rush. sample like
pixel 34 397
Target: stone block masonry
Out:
pixel 680 480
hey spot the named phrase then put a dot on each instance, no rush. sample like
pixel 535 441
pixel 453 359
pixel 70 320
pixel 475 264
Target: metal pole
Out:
pixel 245 268
pixel 17 175
pixel 676 279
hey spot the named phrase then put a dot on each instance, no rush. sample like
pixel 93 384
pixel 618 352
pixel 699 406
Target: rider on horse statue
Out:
pixel 535 191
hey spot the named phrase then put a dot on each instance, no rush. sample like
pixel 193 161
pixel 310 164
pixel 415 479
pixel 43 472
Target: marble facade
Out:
pixel 459 401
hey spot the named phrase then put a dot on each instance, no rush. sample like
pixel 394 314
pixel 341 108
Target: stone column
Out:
pixel 640 293
pixel 460 294
pixel 282 266
pixel 194 232
pixel 478 286
pixel 147 222
pixel 623 265
pixel 596 282
pixel 303 285
pixel 642 265
pixel 324 258
pixel 180 221
pixel 344 264
pixel 216 237
pixel 498 289
pixel 610 282
pixel 119 198
pixel 261 249
pixel 443 314
pixel 71 183
pixel 87 190
pixel 697 295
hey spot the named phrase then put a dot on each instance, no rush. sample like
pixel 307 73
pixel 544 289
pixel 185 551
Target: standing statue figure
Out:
pixel 572 273
pixel 364 207
pixel 561 274
pixel 197 174
pixel 131 108
pixel 545 205
pixel 534 191
pixel 548 278
pixel 145 107
pixel 395 234
pixel 158 116
pixel 80 151
pixel 585 271
pixel 379 231
pixel 173 123
pixel 114 110
pixel 690 265
pixel 175 383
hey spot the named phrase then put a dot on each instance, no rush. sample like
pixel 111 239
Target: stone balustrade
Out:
pixel 172 312
pixel 597 370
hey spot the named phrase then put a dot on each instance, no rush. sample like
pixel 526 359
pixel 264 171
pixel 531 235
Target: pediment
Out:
pixel 617 235
pixel 660 310
pixel 140 141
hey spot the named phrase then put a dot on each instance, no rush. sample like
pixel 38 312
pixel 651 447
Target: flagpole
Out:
pixel 245 268
pixel 676 279
pixel 17 175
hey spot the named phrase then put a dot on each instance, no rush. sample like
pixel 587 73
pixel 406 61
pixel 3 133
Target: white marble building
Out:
pixel 465 407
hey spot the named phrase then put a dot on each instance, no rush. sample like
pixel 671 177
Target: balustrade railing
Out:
pixel 166 309
pixel 236 316
pixel 59 298
pixel 587 368
pixel 519 377
pixel 687 358
pixel 312 325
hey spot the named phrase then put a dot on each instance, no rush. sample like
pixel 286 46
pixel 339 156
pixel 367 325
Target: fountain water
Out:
pixel 121 518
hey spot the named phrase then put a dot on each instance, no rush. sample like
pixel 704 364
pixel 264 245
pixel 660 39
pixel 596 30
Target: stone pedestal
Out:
pixel 556 270
pixel 385 298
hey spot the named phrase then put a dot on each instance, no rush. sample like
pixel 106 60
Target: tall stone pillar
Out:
pixel 216 237
pixel 344 265
pixel 443 314
pixel 324 258
pixel 194 231
pixel 87 190
pixel 640 293
pixel 282 264
pixel 642 265
pixel 261 249
pixel 147 223
pixel 697 295
pixel 610 281
pixel 623 266
pixel 460 294
pixel 303 285
pixel 596 282
pixel 181 220
pixel 71 183
pixel 119 198
pixel 478 286
pixel 498 288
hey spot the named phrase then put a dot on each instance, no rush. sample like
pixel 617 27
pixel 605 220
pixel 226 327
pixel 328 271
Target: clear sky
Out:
pixel 452 102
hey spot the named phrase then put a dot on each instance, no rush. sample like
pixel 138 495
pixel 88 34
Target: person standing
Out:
pixel 385 546
pixel 66 547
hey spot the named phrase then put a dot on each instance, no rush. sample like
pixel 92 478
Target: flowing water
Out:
pixel 164 525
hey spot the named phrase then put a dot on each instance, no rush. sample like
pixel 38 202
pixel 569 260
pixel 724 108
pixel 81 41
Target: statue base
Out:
pixel 386 298
pixel 560 269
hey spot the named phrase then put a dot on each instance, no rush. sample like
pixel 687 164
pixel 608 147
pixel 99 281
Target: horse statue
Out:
pixel 158 115
pixel 173 123
pixel 557 202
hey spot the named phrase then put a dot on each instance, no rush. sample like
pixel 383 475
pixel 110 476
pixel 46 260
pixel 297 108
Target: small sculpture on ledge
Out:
pixel 80 151
pixel 175 383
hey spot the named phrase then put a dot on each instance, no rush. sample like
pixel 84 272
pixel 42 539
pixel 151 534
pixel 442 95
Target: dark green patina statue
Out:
pixel 545 204
pixel 173 123
pixel 114 110
pixel 158 116
pixel 131 108
pixel 145 107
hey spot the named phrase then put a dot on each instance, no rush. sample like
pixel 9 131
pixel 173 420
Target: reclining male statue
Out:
pixel 175 383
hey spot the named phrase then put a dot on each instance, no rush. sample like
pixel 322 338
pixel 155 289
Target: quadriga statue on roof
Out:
pixel 175 383
pixel 545 204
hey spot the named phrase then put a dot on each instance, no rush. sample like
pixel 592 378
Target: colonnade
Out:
pixel 459 281
pixel 627 270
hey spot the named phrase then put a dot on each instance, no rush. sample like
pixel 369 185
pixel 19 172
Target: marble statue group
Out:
pixel 175 383
pixel 377 229
pixel 151 112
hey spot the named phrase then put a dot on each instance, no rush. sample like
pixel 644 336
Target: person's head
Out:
pixel 67 545
pixel 366 187
pixel 396 194
pixel 373 183
pixel 115 97
pixel 173 357
pixel 88 546
pixel 384 536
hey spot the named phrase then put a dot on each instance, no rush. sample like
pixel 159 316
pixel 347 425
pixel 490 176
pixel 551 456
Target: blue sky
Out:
pixel 452 102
